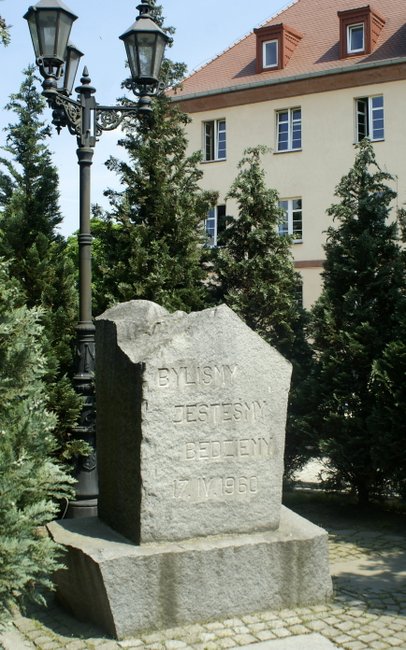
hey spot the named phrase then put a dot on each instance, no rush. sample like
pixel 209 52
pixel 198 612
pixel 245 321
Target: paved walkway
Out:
pixel 368 564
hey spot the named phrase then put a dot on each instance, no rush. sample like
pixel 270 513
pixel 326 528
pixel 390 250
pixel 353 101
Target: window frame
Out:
pixel 287 227
pixel 214 217
pixel 274 41
pixel 350 28
pixel 370 118
pixel 218 143
pixel 291 122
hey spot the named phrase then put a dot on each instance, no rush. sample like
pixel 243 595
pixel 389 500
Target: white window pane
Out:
pixel 356 38
pixel 377 102
pixel 270 54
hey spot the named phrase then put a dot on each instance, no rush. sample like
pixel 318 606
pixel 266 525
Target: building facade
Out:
pixel 310 83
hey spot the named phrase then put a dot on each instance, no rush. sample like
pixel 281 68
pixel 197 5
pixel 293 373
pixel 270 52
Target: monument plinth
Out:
pixel 191 413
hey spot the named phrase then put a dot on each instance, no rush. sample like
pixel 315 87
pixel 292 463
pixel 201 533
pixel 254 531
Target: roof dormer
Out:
pixel 359 31
pixel 275 46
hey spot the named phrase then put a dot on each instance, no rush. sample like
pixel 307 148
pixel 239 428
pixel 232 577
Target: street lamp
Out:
pixel 50 23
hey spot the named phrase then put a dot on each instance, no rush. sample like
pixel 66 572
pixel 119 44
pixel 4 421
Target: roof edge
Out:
pixel 284 80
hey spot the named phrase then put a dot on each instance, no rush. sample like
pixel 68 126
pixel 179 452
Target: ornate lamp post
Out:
pixel 50 23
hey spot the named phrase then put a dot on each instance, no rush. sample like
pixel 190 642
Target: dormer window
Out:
pixel 270 54
pixel 356 38
pixel 359 31
pixel 275 46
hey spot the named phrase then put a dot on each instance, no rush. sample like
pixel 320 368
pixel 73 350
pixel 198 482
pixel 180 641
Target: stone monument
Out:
pixel 191 414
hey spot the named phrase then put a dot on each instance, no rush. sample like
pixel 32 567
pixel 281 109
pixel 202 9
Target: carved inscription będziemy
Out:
pixel 212 450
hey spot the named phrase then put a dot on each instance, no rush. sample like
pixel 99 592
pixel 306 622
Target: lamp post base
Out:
pixel 81 509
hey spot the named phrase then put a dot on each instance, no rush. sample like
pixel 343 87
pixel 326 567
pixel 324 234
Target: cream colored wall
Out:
pixel 328 135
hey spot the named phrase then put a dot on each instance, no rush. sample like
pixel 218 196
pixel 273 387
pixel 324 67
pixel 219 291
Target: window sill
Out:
pixel 370 139
pixel 216 160
pixel 288 151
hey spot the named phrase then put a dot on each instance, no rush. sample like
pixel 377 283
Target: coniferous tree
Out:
pixel 357 326
pixel 257 279
pixel 4 32
pixel 31 484
pixel 149 245
pixel 255 266
pixel 29 217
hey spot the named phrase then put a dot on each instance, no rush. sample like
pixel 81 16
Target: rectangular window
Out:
pixel 355 38
pixel 289 129
pixel 270 54
pixel 370 118
pixel 292 219
pixel 215 140
pixel 215 225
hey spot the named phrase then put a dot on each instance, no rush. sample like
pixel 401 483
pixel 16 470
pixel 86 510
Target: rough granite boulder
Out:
pixel 191 412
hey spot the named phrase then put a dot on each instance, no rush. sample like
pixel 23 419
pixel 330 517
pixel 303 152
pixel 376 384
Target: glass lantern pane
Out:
pixel 32 24
pixel 131 55
pixel 47 30
pixel 64 29
pixel 73 56
pixel 146 48
pixel 159 55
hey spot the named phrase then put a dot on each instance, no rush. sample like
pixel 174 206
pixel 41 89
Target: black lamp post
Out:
pixel 50 23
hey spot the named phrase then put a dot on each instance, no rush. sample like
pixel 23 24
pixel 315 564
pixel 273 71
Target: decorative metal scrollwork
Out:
pixel 71 110
pixel 109 118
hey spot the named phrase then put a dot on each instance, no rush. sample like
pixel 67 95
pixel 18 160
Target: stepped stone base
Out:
pixel 126 589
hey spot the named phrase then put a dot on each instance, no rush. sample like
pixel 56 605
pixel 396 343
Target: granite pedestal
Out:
pixel 127 589
pixel 191 415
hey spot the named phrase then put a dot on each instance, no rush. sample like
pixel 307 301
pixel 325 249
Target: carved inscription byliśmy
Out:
pixel 197 376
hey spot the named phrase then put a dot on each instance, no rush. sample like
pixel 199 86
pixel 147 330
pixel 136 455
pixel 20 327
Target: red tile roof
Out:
pixel 317 52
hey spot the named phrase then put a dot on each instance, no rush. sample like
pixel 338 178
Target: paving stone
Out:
pixel 244 639
pixel 154 637
pixel 266 635
pixel 224 633
pixel 213 626
pixel 269 616
pixel 225 643
pixel 256 627
pixel 345 625
pixel 281 632
pixel 317 625
pixel 296 630
pixel 233 622
pixel 392 641
pixel 250 620
pixel 207 636
pixel 293 620
pixel 343 638
pixel 243 629
pixel 80 645
pixel 368 638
